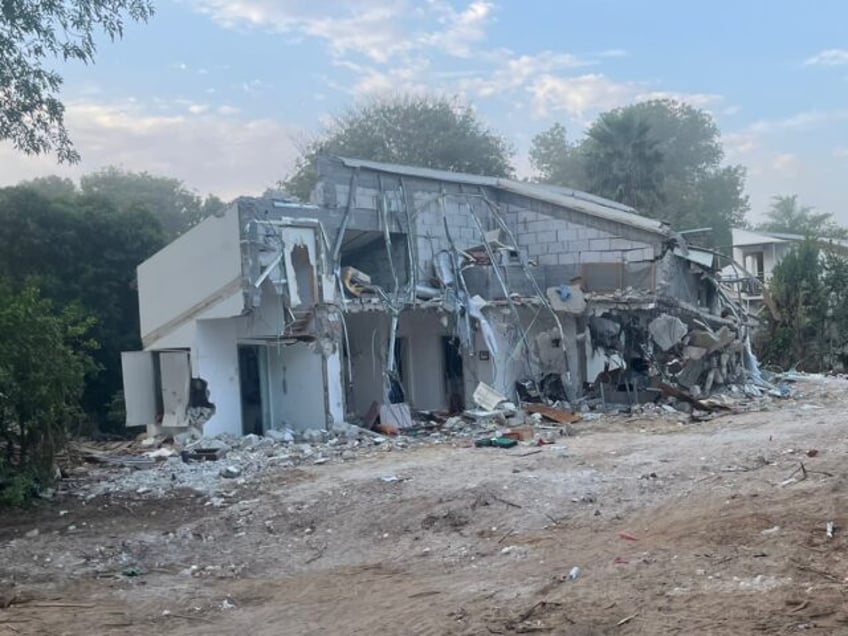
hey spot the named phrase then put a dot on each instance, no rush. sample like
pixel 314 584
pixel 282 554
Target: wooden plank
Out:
pixel 555 415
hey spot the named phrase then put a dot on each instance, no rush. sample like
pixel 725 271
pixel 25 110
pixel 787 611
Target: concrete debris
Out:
pixel 487 398
pixel 230 472
pixel 667 331
pixel 397 415
pixel 285 435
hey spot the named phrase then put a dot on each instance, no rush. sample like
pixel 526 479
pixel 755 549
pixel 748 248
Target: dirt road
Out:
pixel 676 528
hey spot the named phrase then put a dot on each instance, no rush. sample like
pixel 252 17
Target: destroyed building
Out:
pixel 402 289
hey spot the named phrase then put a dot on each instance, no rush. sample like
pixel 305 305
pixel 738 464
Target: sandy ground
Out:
pixel 677 528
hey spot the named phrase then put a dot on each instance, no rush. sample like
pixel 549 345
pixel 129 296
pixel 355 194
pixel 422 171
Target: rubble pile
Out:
pixel 216 466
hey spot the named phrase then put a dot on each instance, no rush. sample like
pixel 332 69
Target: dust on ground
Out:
pixel 676 528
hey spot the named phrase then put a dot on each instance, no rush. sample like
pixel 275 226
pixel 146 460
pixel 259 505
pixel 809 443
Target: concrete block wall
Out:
pixel 551 240
pixel 548 234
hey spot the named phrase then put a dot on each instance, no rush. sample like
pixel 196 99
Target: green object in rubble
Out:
pixel 496 442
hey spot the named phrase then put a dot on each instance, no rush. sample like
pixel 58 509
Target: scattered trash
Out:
pixel 574 573
pixel 496 442
pixel 132 571
pixel 626 620
pixel 487 398
pixel 829 529
pixel 770 531
pixel 555 415
pixel 520 434
pixel 626 536
pixel 202 454
pixel 387 429
pixel 161 453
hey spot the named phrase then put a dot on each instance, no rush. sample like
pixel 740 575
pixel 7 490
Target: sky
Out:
pixel 223 93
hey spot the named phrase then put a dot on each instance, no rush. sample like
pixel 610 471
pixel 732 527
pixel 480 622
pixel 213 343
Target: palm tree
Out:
pixel 788 216
pixel 623 161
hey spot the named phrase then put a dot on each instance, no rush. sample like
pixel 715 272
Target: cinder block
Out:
pixel 590 257
pixel 536 249
pixel 526 238
pixel 565 234
pixel 547 259
pixel 599 245
pixel 536 226
pixel 578 245
pixel 566 258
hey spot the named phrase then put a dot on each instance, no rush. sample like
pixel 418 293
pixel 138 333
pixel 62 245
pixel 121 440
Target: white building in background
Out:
pixel 760 252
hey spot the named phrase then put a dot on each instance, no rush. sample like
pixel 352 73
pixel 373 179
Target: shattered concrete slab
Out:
pixel 667 331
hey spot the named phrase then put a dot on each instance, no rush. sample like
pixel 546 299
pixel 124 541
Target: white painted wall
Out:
pixel 215 359
pixel 191 270
pixel 295 379
pixel 335 388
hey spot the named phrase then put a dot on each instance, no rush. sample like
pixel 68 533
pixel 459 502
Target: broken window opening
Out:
pixel 366 253
pixel 304 274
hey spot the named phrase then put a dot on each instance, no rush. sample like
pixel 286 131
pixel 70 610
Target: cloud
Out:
pixel 738 144
pixel 786 163
pixel 613 53
pixel 460 30
pixel 828 57
pixel 198 109
pixel 578 96
pixel 368 27
pixel 585 95
pixel 210 151
pixel 804 120
pixel 515 71
pixel 840 153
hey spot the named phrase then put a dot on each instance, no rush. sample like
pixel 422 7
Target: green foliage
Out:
pixel 555 160
pixel 31 34
pixel 788 216
pixel 175 207
pixel 52 187
pixel 44 359
pixel 81 251
pixel 623 161
pixel 662 156
pixel 420 131
pixel 809 288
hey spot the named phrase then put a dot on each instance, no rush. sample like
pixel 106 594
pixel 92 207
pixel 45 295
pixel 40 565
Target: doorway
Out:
pixel 454 376
pixel 251 389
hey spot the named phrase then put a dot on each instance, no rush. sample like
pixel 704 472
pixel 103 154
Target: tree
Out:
pixel 44 359
pixel 176 207
pixel 421 131
pixel 623 161
pixel 52 187
pixel 31 113
pixel 555 160
pixel 689 188
pixel 81 251
pixel 786 215
pixel 797 336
